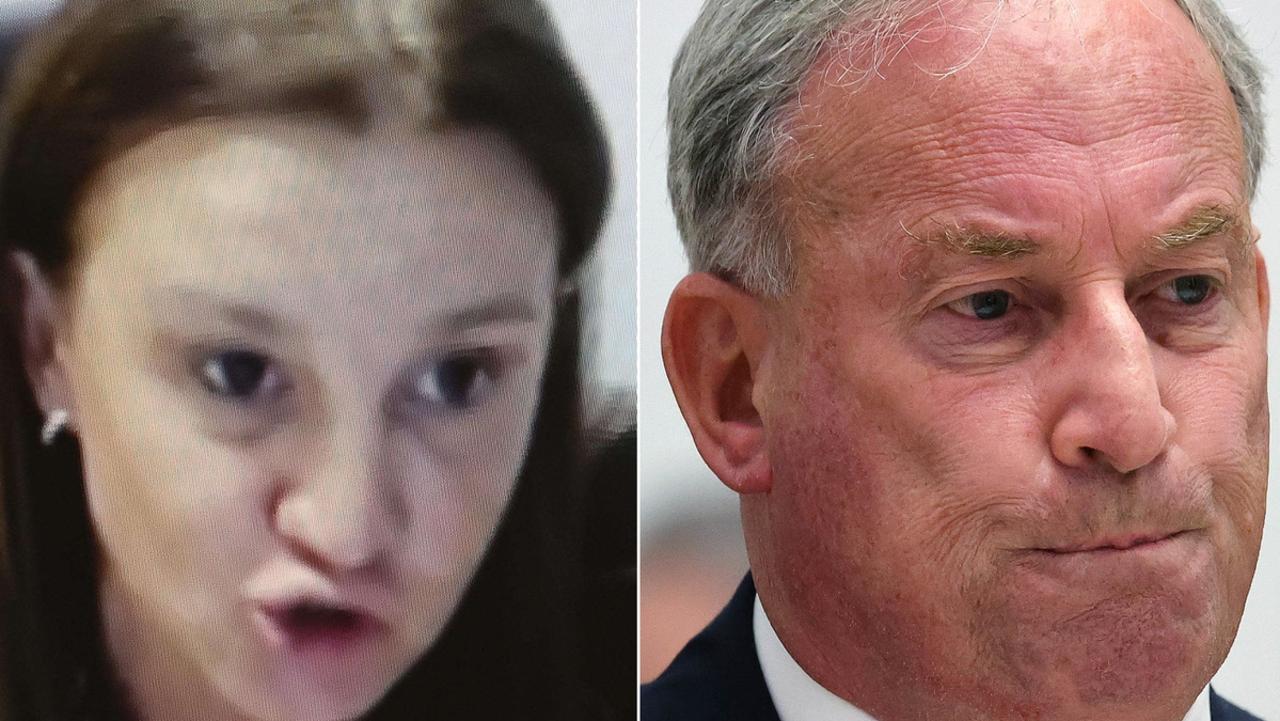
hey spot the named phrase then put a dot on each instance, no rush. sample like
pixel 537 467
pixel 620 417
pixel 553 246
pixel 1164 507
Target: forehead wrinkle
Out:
pixel 896 236
pixel 941 168
pixel 854 158
pixel 839 154
pixel 946 170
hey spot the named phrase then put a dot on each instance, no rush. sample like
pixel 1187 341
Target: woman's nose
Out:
pixel 341 510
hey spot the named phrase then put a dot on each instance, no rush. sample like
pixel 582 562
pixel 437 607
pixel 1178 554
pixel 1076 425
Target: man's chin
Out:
pixel 1122 657
pixel 1116 633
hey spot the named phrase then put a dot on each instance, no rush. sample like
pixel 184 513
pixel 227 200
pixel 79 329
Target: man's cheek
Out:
pixel 829 496
pixel 1223 424
pixel 978 438
pixel 1216 394
pixel 1239 498
pixel 961 532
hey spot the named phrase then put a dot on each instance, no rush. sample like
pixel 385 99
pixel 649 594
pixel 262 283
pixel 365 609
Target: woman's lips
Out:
pixel 309 626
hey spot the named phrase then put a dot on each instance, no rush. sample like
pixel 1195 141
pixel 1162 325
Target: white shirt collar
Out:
pixel 797 697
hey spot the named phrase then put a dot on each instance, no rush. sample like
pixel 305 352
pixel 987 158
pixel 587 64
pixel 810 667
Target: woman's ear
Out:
pixel 714 339
pixel 42 333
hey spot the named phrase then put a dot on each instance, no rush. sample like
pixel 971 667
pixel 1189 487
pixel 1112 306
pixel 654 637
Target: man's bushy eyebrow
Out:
pixel 1204 222
pixel 965 240
pixel 985 244
pixel 1208 221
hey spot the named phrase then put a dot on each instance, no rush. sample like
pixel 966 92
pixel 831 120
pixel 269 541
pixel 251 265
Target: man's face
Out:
pixel 1016 407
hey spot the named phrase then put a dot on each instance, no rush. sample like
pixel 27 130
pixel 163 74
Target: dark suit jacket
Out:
pixel 717 676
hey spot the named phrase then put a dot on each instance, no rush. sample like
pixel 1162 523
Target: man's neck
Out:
pixel 797 697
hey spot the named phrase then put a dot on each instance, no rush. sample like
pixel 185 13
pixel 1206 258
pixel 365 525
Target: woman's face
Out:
pixel 304 366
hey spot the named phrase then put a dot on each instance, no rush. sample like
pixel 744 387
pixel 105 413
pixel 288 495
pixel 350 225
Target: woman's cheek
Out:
pixel 489 442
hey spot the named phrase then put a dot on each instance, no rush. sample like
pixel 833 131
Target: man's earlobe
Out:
pixel 714 339
pixel 40 338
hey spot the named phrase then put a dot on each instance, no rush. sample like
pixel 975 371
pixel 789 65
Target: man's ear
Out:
pixel 714 337
pixel 42 332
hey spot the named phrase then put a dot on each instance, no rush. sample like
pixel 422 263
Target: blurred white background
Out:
pixel 601 35
pixel 674 483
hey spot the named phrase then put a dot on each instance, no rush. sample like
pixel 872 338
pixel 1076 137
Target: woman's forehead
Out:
pixel 270 203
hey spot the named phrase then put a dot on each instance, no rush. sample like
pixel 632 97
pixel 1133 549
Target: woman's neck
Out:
pixel 159 682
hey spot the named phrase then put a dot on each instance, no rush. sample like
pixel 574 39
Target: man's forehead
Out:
pixel 1050 108
pixel 1010 58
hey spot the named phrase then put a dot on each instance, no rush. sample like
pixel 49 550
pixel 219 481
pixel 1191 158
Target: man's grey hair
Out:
pixel 736 83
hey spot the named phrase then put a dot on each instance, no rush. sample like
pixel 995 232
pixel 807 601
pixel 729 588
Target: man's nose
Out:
pixel 341 510
pixel 1111 411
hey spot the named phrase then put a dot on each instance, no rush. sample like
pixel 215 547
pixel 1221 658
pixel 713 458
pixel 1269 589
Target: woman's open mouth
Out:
pixel 312 626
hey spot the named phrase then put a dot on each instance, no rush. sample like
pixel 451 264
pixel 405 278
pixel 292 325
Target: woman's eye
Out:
pixel 987 305
pixel 240 375
pixel 456 382
pixel 1187 290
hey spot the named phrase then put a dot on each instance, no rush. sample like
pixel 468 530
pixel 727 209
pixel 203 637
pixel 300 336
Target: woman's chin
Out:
pixel 307 684
pixel 302 700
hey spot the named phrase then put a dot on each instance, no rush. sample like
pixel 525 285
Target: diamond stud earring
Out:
pixel 54 425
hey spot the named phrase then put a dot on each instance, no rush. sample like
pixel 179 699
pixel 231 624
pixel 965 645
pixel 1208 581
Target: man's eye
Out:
pixel 1187 290
pixel 457 382
pixel 987 305
pixel 240 375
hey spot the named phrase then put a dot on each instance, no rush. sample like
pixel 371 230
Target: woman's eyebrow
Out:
pixel 232 310
pixel 506 308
